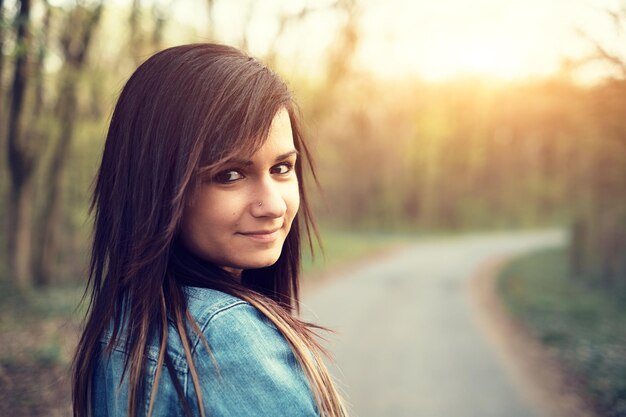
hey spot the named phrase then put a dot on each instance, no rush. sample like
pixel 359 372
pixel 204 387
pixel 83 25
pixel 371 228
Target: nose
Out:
pixel 269 200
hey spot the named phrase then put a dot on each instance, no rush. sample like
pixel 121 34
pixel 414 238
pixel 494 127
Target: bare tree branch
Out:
pixel 284 21
pixel 602 54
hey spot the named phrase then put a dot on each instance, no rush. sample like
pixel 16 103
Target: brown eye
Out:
pixel 282 169
pixel 227 177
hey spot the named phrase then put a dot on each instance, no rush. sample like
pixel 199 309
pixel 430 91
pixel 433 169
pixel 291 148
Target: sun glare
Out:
pixel 482 58
pixel 497 39
pixel 502 40
pixel 445 59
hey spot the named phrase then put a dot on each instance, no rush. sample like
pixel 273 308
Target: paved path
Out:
pixel 406 343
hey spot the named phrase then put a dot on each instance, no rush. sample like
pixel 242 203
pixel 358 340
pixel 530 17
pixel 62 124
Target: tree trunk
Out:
pixel 136 39
pixel 21 162
pixel 211 20
pixel 3 120
pixel 159 16
pixel 75 41
pixel 47 248
pixel 2 25
pixel 20 232
pixel 42 51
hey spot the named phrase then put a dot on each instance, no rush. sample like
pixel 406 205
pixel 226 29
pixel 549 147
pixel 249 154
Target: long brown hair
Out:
pixel 182 113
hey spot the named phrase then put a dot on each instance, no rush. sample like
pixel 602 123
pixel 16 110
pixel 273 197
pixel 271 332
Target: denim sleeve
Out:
pixel 258 374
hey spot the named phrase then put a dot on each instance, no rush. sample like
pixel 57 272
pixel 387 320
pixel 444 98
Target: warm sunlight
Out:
pixel 484 60
pixel 499 39
pixel 451 57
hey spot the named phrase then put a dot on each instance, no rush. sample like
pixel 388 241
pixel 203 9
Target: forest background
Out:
pixel 394 153
pixel 399 154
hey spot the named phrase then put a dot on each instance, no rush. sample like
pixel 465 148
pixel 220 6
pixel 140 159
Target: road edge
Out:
pixel 539 377
pixel 319 279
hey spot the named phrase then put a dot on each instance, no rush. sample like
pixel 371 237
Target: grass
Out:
pixel 38 332
pixel 584 325
pixel 342 247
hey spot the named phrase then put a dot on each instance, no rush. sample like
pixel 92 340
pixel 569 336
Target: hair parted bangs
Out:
pixel 238 123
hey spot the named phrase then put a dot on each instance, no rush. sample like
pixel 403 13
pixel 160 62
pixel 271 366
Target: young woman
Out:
pixel 199 210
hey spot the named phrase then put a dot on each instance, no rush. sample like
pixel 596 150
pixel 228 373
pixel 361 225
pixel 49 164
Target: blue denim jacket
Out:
pixel 258 373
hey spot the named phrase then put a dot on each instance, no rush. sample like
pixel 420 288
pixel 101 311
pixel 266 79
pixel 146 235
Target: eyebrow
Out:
pixel 249 163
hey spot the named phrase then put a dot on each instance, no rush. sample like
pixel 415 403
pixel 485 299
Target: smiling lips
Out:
pixel 262 235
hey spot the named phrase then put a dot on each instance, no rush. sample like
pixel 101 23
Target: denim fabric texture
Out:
pixel 258 374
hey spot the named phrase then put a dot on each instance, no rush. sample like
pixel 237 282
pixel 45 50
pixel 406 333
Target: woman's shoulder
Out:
pixel 221 316
pixel 245 349
pixel 205 303
pixel 226 320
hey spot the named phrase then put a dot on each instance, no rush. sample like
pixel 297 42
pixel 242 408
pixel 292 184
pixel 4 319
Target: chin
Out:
pixel 265 264
pixel 260 262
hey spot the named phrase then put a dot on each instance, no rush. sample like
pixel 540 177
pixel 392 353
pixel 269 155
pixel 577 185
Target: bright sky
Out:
pixel 433 39
pixel 502 38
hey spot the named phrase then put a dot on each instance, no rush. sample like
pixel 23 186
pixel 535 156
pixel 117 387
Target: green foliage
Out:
pixel 459 155
pixel 583 324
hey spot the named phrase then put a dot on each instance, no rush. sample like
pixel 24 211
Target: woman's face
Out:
pixel 240 217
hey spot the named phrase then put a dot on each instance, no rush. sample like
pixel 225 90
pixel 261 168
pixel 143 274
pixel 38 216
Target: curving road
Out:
pixel 406 343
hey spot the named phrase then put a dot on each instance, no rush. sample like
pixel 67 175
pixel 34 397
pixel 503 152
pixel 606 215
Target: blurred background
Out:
pixel 426 118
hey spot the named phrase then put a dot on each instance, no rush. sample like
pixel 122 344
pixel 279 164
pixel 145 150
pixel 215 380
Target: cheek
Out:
pixel 214 210
pixel 226 201
pixel 292 199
